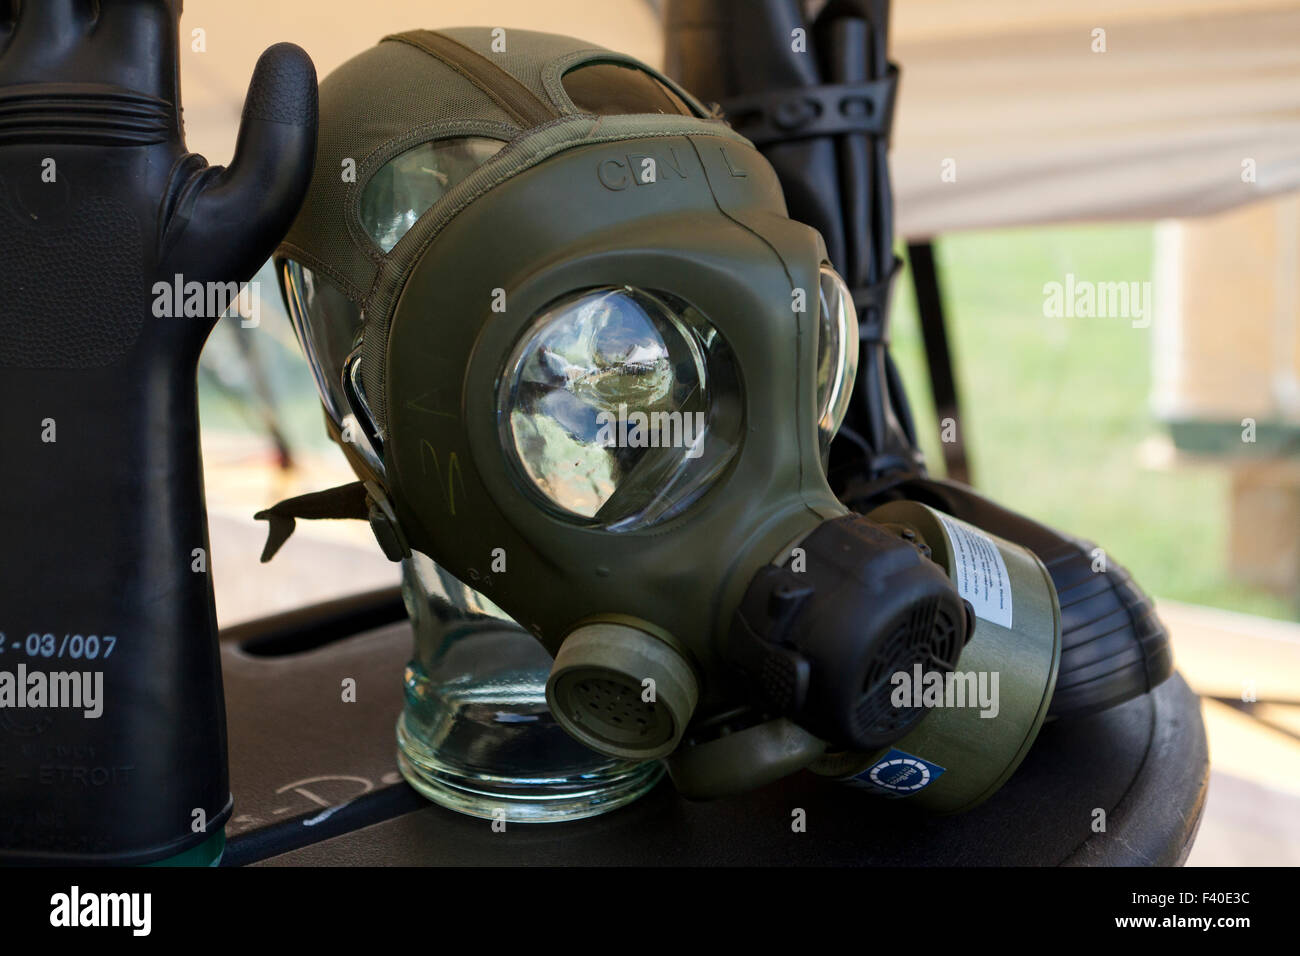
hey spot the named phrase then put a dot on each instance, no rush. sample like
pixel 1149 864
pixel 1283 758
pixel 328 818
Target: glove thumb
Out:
pixel 241 212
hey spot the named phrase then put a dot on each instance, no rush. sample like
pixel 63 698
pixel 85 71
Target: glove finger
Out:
pixel 55 18
pixel 245 210
pixel 42 34
pixel 143 36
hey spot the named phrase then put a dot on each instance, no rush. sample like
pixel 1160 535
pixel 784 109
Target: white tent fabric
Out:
pixel 1006 97
pixel 1042 129
pixel 332 31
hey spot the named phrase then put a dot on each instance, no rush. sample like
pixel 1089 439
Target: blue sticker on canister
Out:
pixel 899 774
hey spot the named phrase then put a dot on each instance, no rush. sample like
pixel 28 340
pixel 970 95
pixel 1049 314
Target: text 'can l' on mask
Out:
pixel 582 358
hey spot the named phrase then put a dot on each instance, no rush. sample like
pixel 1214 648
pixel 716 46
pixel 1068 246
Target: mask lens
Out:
pixel 407 186
pixel 328 326
pixel 837 354
pixel 619 407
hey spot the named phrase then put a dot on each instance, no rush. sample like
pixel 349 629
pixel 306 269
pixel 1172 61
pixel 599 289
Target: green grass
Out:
pixel 1055 409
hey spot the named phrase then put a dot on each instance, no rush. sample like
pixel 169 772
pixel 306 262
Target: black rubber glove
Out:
pixel 104 562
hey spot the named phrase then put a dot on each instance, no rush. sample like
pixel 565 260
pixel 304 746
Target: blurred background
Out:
pixel 1044 149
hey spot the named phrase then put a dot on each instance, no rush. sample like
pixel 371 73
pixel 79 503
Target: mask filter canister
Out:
pixel 983 717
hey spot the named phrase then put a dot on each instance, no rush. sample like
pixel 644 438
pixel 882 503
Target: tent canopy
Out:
pixel 1006 114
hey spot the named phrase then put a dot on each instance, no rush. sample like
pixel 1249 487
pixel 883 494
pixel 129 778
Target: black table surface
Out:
pixel 316 783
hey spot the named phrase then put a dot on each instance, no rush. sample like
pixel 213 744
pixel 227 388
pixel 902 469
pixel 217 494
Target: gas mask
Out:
pixel 580 356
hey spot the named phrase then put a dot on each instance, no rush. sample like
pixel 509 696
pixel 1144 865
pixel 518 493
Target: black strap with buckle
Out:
pixel 872 303
pixel 775 116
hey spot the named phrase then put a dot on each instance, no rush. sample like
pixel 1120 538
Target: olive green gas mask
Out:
pixel 580 356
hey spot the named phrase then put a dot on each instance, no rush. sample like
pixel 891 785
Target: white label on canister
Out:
pixel 979 571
